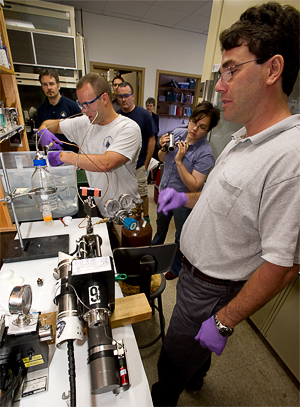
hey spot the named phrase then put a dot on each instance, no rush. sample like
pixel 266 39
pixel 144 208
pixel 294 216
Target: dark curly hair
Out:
pixel 268 29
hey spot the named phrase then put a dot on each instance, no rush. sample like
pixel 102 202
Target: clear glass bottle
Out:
pixel 43 184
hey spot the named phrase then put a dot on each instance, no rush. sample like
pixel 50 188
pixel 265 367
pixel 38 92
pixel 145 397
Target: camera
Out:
pixel 170 145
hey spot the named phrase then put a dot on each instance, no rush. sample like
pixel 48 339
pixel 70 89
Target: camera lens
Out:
pixel 171 144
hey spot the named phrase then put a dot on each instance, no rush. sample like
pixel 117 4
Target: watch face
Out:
pixel 226 332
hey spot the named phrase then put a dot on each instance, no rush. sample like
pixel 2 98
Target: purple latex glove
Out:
pixel 53 158
pixel 170 199
pixel 210 337
pixel 47 137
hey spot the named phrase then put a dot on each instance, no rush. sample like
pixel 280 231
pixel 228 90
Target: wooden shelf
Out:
pixel 175 103
pixel 177 89
pixel 8 71
pixel 15 129
pixel 10 95
pixel 166 78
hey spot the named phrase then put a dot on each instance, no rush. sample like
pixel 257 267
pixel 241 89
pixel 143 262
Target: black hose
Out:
pixel 72 375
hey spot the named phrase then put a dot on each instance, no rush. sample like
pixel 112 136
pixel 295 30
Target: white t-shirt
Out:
pixel 122 136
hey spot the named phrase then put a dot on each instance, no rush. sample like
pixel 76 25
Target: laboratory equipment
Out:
pixel 45 190
pixel 141 235
pixel 85 294
pixel 34 248
pixel 23 349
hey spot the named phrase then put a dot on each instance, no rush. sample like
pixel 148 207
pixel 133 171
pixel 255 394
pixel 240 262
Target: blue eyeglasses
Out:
pixel 85 105
pixel 125 96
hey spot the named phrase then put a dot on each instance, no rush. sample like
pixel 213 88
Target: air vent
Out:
pixel 41 49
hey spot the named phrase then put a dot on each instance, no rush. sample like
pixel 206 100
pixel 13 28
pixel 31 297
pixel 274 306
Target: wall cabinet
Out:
pixel 10 97
pixel 176 93
pixel 278 321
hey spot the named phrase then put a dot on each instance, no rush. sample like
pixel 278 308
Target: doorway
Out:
pixel 132 74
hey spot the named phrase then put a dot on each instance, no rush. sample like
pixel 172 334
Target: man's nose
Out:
pixel 220 86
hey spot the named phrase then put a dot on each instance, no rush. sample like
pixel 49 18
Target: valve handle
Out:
pixel 130 223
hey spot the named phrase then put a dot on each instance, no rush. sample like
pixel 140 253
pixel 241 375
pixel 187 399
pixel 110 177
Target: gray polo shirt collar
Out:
pixel 284 125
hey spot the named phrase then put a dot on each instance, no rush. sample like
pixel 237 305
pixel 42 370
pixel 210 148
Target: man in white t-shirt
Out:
pixel 109 143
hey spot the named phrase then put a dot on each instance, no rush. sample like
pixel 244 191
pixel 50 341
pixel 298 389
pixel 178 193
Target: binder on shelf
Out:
pixel 172 110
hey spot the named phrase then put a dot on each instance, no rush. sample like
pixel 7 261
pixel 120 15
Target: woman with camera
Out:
pixel 188 159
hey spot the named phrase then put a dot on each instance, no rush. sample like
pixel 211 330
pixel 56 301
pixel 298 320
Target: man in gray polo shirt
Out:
pixel 241 240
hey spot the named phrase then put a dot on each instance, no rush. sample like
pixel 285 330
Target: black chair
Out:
pixel 140 264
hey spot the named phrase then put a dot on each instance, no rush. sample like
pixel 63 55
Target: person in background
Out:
pixel 56 105
pixel 144 120
pixel 241 241
pixel 186 169
pixel 110 143
pixel 115 83
pixel 150 105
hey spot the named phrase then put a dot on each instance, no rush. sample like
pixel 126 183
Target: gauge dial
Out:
pixel 20 299
pixel 112 206
pixel 125 200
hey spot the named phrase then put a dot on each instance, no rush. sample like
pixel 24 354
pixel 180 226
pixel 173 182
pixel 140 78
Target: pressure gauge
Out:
pixel 19 303
pixel 112 206
pixel 20 300
pixel 125 200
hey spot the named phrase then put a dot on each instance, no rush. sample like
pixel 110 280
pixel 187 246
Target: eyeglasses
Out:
pixel 126 96
pixel 227 75
pixel 200 127
pixel 85 105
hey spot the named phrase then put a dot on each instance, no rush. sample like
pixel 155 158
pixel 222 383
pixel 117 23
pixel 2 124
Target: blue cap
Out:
pixel 39 163
pixel 130 223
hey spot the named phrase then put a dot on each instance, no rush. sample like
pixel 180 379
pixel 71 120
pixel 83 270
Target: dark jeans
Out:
pixel 182 359
pixel 163 222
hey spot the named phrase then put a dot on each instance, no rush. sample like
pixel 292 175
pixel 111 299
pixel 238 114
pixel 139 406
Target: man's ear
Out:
pixel 58 86
pixel 276 64
pixel 105 98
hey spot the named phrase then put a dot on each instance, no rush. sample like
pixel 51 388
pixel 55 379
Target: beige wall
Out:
pixel 224 13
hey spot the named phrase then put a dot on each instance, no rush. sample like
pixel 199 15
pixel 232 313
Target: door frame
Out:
pixel 97 66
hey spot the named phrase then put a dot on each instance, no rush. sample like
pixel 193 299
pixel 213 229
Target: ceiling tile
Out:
pixel 194 21
pixel 187 15
pixel 129 8
pixel 156 22
pixel 164 15
pixel 184 6
pixel 205 9
pixel 122 16
pixel 90 6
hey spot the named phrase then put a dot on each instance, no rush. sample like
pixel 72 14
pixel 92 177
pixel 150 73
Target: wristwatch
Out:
pixel 223 329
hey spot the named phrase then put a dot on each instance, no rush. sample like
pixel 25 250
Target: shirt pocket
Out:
pixel 223 195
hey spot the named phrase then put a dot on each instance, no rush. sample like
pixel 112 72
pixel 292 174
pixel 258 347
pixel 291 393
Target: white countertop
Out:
pixel 29 272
